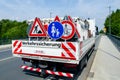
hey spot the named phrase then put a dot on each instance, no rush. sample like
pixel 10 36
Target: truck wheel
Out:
pixel 80 66
pixel 85 61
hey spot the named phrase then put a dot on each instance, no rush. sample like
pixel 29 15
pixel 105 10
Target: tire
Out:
pixel 85 61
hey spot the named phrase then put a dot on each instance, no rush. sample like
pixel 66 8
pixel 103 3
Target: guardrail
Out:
pixel 118 38
pixel 8 41
pixel 5 46
pixel 5 41
pixel 115 40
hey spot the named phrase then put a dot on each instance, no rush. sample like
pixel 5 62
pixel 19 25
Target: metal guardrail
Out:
pixel 116 37
pixel 9 41
pixel 5 41
pixel 115 40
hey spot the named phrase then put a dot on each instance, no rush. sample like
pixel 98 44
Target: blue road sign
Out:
pixel 55 30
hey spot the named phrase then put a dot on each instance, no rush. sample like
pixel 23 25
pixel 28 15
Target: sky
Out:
pixel 29 9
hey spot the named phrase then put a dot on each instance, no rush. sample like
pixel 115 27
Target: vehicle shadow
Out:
pixel 35 74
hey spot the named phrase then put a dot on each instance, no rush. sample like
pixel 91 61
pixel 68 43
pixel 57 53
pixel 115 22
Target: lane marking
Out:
pixel 5 50
pixel 7 58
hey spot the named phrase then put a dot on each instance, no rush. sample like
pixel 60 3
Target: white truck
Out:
pixel 59 46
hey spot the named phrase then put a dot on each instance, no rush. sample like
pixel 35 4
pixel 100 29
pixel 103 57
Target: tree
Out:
pixel 101 31
pixel 115 23
pixel 12 29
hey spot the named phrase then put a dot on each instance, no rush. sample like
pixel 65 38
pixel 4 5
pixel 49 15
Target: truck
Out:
pixel 57 46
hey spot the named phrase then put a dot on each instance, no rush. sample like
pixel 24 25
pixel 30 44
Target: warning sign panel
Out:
pixel 37 29
pixel 69 29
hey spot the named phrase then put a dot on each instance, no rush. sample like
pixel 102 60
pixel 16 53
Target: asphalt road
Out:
pixel 10 68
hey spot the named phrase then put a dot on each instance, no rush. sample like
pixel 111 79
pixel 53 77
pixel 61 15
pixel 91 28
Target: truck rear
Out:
pixel 60 47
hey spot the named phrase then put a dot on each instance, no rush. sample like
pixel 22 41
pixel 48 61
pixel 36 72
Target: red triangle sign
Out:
pixel 37 29
pixel 69 17
pixel 57 19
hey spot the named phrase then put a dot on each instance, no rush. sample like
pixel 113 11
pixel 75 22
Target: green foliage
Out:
pixel 115 23
pixel 12 29
pixel 101 31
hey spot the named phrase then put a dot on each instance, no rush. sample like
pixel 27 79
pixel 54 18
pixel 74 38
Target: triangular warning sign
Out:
pixel 70 19
pixel 37 29
pixel 57 19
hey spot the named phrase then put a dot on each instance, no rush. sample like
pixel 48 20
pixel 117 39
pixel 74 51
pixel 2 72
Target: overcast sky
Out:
pixel 29 9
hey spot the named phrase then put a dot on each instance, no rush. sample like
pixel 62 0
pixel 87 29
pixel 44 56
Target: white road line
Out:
pixel 5 50
pixel 7 58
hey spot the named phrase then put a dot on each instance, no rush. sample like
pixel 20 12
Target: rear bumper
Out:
pixel 60 60
pixel 47 71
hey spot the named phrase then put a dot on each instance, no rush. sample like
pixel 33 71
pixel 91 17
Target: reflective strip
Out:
pixel 31 68
pixel 69 50
pixel 15 43
pixel 17 47
pixel 48 71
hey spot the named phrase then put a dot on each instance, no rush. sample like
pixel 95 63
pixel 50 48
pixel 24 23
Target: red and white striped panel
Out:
pixel 59 73
pixel 69 50
pixel 48 71
pixel 31 68
pixel 17 46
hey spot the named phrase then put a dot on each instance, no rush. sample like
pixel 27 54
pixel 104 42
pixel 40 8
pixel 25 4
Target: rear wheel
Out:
pixel 85 61
pixel 82 64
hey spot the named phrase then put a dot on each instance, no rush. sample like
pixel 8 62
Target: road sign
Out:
pixel 55 30
pixel 57 19
pixel 69 29
pixel 37 29
pixel 69 18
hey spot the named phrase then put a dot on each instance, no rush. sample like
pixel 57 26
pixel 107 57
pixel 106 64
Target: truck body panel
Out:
pixel 54 51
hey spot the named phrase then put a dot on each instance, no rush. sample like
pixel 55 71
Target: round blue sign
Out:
pixel 55 30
